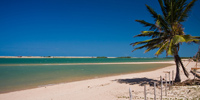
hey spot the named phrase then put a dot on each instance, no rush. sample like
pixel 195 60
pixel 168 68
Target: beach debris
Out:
pixel 195 74
pixel 130 94
pixel 154 90
pixel 145 94
pixel 188 82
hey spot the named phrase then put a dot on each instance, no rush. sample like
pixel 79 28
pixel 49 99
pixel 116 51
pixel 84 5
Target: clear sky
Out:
pixel 80 27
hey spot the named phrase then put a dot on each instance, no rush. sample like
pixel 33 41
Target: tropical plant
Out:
pixel 167 33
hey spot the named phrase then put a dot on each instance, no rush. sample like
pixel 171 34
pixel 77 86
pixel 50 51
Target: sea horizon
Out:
pixel 77 57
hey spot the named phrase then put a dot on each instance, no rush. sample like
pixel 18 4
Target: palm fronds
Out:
pixel 167 33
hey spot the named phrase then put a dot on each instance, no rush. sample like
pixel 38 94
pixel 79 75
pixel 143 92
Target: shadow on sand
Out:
pixel 140 81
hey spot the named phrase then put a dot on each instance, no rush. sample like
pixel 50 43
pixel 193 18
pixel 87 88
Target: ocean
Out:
pixel 24 73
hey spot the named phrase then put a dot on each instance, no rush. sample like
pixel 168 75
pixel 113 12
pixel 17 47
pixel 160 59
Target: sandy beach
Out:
pixel 106 88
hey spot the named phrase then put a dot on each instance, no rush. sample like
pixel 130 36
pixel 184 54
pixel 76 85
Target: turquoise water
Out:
pixel 76 60
pixel 24 73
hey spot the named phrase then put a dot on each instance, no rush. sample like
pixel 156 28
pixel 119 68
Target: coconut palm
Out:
pixel 167 33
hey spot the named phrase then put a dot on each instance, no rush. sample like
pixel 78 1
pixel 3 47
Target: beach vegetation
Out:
pixel 47 56
pixel 102 57
pixel 124 57
pixel 166 32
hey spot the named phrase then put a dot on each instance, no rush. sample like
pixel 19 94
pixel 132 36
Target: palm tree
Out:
pixel 167 32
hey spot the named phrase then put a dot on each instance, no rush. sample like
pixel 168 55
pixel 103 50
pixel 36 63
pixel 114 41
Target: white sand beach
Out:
pixel 106 88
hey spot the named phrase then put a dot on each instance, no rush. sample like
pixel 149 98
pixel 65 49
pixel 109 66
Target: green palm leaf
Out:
pixel 153 34
pixel 170 48
pixel 147 24
pixel 184 38
pixel 162 48
pixel 184 14
pixel 178 38
pixel 154 14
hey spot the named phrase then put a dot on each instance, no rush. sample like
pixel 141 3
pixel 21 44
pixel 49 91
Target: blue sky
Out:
pixel 80 27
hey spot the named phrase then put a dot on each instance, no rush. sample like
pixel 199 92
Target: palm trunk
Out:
pixel 184 70
pixel 178 63
pixel 177 78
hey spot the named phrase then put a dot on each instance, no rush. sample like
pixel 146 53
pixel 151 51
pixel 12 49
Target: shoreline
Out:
pixel 55 82
pixel 116 74
pixel 80 80
pixel 104 88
